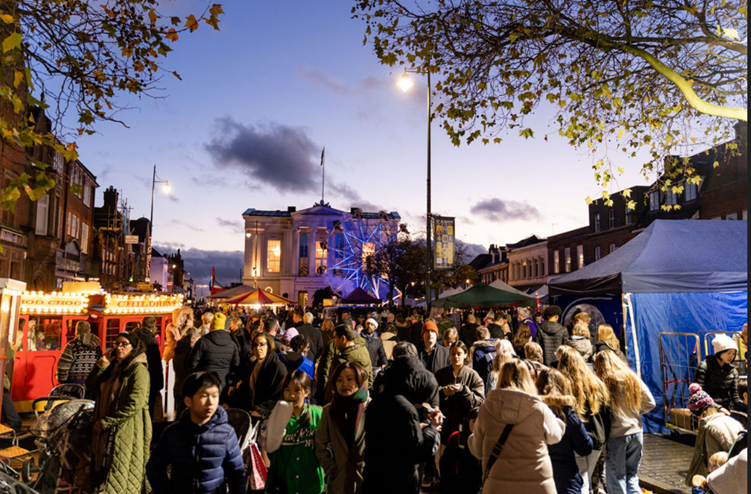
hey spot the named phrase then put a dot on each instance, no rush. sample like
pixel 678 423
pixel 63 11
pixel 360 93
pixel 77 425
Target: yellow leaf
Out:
pixel 171 34
pixel 626 193
pixel 620 133
pixel 715 164
pixel 17 79
pixel 152 16
pixel 191 23
pixel 8 19
pixel 588 200
pixel 731 33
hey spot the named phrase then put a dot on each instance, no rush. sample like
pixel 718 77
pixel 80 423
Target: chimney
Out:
pixel 110 200
pixel 291 209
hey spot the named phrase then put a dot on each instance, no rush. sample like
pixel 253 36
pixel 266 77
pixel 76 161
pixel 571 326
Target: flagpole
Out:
pixel 323 174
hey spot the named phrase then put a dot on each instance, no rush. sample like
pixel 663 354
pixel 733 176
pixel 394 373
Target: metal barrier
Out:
pixel 679 355
pixel 740 356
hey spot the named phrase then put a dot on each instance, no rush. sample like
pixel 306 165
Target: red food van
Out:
pixel 48 322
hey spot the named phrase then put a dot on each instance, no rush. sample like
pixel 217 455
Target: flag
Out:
pixel 322 153
pixel 211 281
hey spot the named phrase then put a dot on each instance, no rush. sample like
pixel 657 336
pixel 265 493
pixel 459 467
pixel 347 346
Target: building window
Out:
pixel 611 218
pixel 744 215
pixel 524 269
pixel 42 215
pixel 303 245
pixel 542 266
pixel 87 196
pixel 671 198
pixel 321 254
pixel 58 162
pixel 731 216
pixel 339 246
pixel 567 257
pixel 598 255
pixel 597 223
pixel 691 191
pixel 537 268
pixel 84 237
pixel 556 261
pixel 654 200
pixel 580 256
pixel 273 256
pixel 629 215
pixel 612 248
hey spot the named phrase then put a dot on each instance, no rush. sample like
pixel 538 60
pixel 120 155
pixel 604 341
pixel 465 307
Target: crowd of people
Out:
pixel 504 401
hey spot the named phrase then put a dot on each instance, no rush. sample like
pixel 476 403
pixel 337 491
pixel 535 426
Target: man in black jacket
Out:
pixel 216 352
pixel 154 359
pixel 400 424
pixel 468 332
pixel 309 331
pixel 552 334
pixel 432 355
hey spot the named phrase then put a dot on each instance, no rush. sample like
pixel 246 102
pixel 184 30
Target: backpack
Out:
pixel 598 427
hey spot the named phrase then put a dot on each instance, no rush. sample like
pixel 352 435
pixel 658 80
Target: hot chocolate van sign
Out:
pixel 142 304
pixel 54 303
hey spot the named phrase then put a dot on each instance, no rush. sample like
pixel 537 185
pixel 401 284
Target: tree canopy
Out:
pixel 660 75
pixel 71 59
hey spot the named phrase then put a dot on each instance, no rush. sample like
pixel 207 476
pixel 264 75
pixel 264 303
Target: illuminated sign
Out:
pixel 142 304
pixel 54 303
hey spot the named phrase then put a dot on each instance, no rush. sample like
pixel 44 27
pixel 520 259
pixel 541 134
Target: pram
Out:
pixel 63 435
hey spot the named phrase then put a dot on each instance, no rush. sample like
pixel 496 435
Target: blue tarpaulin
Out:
pixel 687 276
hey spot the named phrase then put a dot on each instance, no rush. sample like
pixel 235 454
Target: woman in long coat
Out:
pixel 122 431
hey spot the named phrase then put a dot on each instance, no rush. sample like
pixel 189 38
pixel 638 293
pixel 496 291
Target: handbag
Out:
pixel 256 469
pixel 496 452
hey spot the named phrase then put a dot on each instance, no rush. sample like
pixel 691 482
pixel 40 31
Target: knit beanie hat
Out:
pixel 373 322
pixel 699 399
pixel 723 342
pixel 218 322
pixel 131 337
pixel 429 326
pixel 288 335
pixel 149 322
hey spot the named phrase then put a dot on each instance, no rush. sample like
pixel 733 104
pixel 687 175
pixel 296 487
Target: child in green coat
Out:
pixel 289 439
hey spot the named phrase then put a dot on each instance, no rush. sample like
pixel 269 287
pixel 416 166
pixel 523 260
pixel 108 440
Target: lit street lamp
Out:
pixel 405 83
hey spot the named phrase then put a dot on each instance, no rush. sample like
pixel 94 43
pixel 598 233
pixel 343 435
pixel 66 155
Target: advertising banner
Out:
pixel 444 242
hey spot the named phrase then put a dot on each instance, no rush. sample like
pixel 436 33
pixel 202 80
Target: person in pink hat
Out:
pixel 717 374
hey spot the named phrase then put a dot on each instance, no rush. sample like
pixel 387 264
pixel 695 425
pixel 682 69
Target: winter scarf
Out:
pixel 347 411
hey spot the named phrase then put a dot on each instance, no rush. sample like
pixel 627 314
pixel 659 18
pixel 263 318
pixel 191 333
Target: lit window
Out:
pixel 556 262
pixel 273 256
pixel 321 254
pixel 654 200
pixel 580 256
pixel 567 257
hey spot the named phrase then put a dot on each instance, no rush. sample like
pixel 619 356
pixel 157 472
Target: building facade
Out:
pixel 527 265
pixel 294 253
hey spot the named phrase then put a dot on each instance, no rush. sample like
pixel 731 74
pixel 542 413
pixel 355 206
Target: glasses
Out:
pixel 121 344
pixel 256 345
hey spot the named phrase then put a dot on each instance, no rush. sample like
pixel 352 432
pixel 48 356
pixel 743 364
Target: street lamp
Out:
pixel 405 83
pixel 166 189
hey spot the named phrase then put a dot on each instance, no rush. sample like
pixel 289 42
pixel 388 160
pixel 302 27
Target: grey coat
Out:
pixel 343 467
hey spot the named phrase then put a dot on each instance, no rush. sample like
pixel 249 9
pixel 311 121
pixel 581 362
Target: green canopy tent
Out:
pixel 486 296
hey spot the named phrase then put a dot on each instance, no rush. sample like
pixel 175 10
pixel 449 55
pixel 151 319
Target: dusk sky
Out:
pixel 258 101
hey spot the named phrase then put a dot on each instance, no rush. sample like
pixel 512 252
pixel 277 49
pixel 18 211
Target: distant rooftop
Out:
pixel 321 209
pixel 258 212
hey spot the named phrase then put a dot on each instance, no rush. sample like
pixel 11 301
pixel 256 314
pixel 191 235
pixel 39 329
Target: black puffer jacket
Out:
pixel 268 386
pixel 396 445
pixel 180 364
pixel 154 361
pixel 376 350
pixel 720 382
pixel 216 352
pixel 550 337
pixel 406 376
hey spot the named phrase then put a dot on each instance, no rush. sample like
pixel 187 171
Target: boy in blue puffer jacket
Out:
pixel 201 447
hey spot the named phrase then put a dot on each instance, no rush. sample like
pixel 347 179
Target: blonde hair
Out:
pixel 450 334
pixel 516 375
pixel 605 333
pixel 555 389
pixel 622 383
pixel 588 390
pixel 522 336
pixel 583 317
pixel 327 325
pixel 533 351
pixel 581 329
pixel 718 459
pixel 482 333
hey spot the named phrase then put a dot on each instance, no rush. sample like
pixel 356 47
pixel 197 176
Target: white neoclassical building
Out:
pixel 294 253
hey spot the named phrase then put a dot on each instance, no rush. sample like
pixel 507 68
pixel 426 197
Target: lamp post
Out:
pixel 405 84
pixel 166 188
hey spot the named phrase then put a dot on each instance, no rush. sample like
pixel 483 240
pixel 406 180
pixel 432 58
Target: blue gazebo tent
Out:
pixel 677 275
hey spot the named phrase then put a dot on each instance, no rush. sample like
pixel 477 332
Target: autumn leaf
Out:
pixel 171 34
pixel 11 42
pixel 18 77
pixel 191 23
pixel 8 19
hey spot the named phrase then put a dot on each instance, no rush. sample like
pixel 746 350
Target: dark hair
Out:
pixel 742 387
pixel 301 379
pixel 404 348
pixel 194 382
pixel 361 376
pixel 270 323
pixel 551 311
pixel 299 343
pixel 346 331
pixel 299 312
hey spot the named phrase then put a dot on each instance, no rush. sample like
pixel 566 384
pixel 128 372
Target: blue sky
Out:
pixel 260 98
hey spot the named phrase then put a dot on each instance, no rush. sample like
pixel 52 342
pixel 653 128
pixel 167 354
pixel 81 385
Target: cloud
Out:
pixel 228 265
pixel 279 156
pixel 501 211
pixel 185 224
pixel 232 225
pixel 318 78
pixel 470 250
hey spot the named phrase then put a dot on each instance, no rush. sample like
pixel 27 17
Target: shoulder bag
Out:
pixel 496 452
